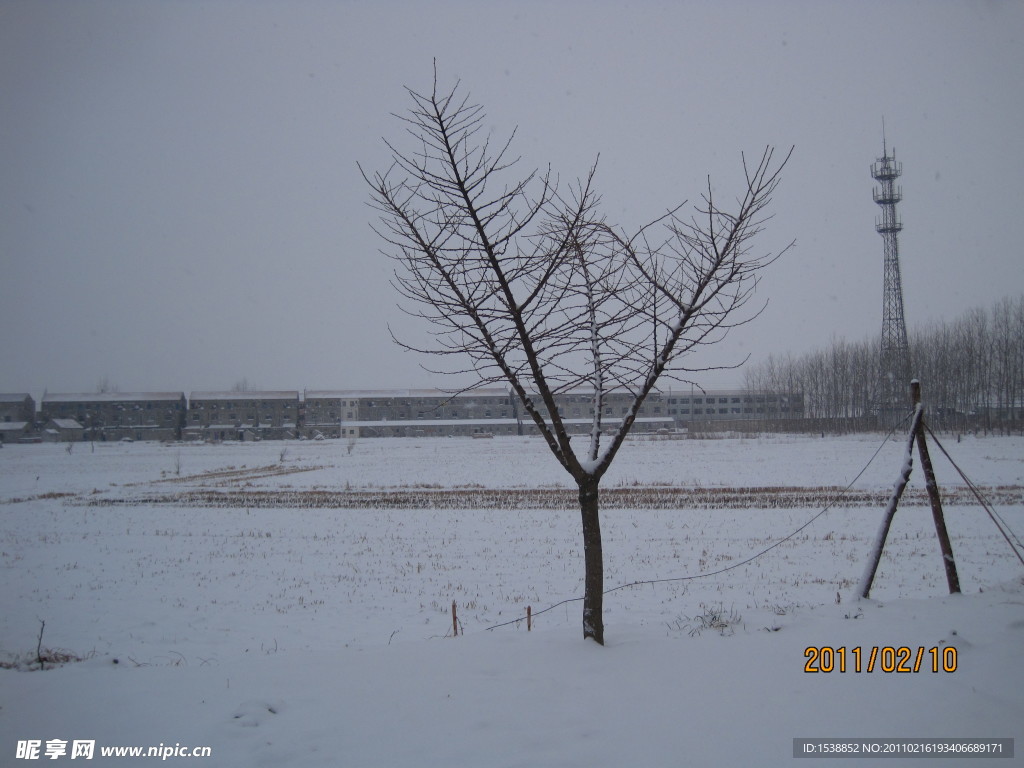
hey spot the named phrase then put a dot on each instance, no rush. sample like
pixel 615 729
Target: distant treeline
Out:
pixel 971 371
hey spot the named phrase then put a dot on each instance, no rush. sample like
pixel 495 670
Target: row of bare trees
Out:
pixel 971 368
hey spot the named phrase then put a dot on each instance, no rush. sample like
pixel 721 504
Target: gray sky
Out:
pixel 180 206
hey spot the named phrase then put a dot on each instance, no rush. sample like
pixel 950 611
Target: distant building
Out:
pixel 349 413
pixel 218 416
pixel 577 410
pixel 119 415
pixel 15 431
pixel 408 412
pixel 63 431
pixel 17 407
pixel 322 412
pixel 696 407
pixel 481 412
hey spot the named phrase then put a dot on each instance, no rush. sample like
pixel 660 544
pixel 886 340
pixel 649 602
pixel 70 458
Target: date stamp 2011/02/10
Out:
pixel 898 659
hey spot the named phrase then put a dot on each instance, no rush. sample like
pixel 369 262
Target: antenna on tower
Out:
pixel 885 152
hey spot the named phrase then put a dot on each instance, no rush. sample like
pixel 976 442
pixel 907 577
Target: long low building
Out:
pixel 482 427
pixel 431 412
pixel 393 412
pixel 119 415
pixel 272 415
pixel 720 405
pixel 330 414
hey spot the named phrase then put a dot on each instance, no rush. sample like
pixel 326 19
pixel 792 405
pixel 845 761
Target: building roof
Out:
pixel 66 424
pixel 607 422
pixel 292 394
pixel 110 397
pixel 392 394
pixel 13 426
pixel 14 397
pixel 415 423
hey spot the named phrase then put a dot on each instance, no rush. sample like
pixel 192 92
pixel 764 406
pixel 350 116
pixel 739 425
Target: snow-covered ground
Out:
pixel 316 636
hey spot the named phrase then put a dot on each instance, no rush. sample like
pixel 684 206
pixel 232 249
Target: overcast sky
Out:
pixel 180 206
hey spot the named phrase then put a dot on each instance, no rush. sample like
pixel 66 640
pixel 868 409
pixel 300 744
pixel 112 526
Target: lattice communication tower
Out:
pixel 894 387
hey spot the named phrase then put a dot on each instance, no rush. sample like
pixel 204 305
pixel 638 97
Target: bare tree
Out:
pixel 106 386
pixel 523 282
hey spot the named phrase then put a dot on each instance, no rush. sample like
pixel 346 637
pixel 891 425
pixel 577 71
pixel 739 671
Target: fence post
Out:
pixel 529 620
pixel 455 621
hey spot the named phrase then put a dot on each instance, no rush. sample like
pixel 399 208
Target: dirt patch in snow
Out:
pixel 643 497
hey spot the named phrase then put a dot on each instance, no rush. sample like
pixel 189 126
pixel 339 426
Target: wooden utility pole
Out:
pixel 933 497
pixel 864 589
pixel 916 435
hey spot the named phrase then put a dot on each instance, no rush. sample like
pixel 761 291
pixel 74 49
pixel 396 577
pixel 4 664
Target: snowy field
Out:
pixel 312 636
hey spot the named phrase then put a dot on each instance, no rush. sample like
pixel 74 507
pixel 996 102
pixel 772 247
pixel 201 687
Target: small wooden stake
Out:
pixel 455 621
pixel 528 619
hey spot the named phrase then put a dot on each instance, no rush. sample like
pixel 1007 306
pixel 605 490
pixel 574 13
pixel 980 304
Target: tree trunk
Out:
pixel 593 590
